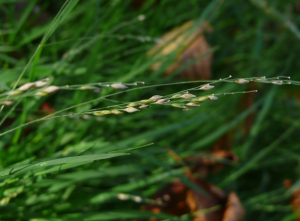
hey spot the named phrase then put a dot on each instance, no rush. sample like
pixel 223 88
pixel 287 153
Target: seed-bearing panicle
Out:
pixel 186 109
pixel 40 84
pixel 26 87
pixel 14 93
pixel 119 86
pixel 176 96
pixel 123 196
pixel 90 88
pixel 116 112
pixel 7 102
pixel 192 104
pixel 242 81
pixel 187 96
pixel 41 94
pixel 213 98
pixel 144 106
pixel 101 113
pixel 162 101
pixel 51 89
pixel 206 87
pixel 146 101
pixel 131 110
pixel 155 97
pixel 277 82
pixel 261 79
pixel 200 99
pixel 133 104
pixel 178 105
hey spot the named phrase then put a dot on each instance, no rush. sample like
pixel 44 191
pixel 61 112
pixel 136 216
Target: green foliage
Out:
pixel 67 166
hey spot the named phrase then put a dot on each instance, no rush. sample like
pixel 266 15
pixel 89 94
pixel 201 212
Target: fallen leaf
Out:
pixel 188 46
pixel 234 210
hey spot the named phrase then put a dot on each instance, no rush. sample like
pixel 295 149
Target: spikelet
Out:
pixel 26 87
pixel 178 105
pixel 119 86
pixel 41 94
pixel 242 81
pixel 144 106
pixel 40 84
pixel 122 196
pixel 213 98
pixel 7 102
pixel 186 109
pixel 155 97
pixel 146 101
pixel 116 112
pixel 51 89
pixel 200 99
pixel 162 101
pixel 133 104
pixel 14 93
pixel 101 113
pixel 206 87
pixel 90 88
pixel 261 79
pixel 131 110
pixel 176 96
pixel 187 96
pixel 192 104
pixel 277 82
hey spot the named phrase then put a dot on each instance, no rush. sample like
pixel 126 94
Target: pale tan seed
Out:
pixel 131 110
pixel 206 87
pixel 26 87
pixel 119 86
pixel 40 84
pixel 162 101
pixel 51 89
pixel 192 104
pixel 155 97
pixel 187 96
pixel 242 81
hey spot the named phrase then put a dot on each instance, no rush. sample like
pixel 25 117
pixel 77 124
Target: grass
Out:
pixel 58 168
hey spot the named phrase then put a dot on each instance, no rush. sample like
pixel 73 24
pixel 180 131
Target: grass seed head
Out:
pixel 133 104
pixel 192 104
pixel 101 113
pixel 40 84
pixel 206 87
pixel 131 110
pixel 7 102
pixel 41 94
pixel 277 82
pixel 116 112
pixel 162 101
pixel 213 98
pixel 51 89
pixel 261 78
pixel 148 101
pixel 119 86
pixel 144 106
pixel 122 196
pixel 14 92
pixel 186 109
pixel 200 99
pixel 178 105
pixel 90 88
pixel 187 96
pixel 155 97
pixel 26 87
pixel 176 96
pixel 242 81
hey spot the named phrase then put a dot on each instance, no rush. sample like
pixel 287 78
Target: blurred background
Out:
pixel 232 159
